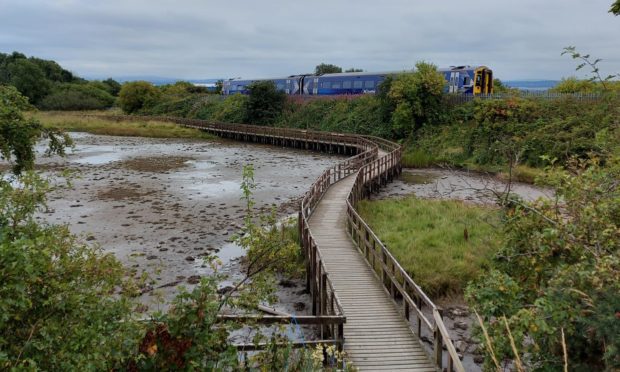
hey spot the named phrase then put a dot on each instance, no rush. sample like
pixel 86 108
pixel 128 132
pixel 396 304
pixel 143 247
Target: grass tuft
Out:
pixel 77 122
pixel 417 159
pixel 428 238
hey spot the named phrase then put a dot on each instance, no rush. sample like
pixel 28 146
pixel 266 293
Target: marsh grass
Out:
pixel 428 238
pixel 77 122
pixel 416 158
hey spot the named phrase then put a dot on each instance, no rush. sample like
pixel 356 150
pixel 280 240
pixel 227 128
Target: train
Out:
pixel 472 80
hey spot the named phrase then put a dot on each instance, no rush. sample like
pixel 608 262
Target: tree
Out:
pixel 416 98
pixel 28 78
pixel 93 95
pixel 325 68
pixel 219 85
pixel 18 135
pixel 135 95
pixel 114 87
pixel 615 8
pixel 265 102
pixel 353 69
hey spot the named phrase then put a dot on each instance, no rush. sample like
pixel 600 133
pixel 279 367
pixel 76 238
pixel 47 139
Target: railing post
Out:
pixel 323 300
pixel 438 343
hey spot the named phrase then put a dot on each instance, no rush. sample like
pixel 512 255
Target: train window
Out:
pixel 357 84
pixel 280 86
pixel 346 85
pixel 466 80
pixel 369 84
pixel 326 85
pixel 336 85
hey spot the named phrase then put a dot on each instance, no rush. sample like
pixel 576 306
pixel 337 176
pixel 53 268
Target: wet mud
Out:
pixel 163 205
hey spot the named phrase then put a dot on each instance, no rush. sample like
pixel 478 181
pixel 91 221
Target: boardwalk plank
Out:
pixel 376 335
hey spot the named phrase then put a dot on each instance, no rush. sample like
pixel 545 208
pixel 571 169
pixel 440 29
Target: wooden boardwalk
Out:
pixel 353 302
pixel 376 335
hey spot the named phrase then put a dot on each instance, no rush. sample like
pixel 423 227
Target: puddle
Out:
pixel 161 205
pixel 435 183
pixel 417 178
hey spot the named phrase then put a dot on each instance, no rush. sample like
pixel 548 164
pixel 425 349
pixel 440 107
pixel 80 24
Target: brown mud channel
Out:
pixel 162 205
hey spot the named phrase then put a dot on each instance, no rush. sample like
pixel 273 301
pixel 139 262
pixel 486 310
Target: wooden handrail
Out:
pixel 372 171
pixel 396 281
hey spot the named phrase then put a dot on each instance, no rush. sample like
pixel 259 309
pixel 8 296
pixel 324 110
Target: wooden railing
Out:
pixel 398 284
pixel 373 171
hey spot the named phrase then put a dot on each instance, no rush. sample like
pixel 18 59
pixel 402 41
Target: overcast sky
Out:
pixel 267 38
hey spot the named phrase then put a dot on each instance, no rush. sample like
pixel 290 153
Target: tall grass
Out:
pixel 416 158
pixel 77 122
pixel 442 244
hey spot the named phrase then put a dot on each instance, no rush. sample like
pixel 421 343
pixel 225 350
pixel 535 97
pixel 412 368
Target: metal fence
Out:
pixel 457 99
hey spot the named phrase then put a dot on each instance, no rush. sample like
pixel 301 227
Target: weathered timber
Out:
pixel 379 306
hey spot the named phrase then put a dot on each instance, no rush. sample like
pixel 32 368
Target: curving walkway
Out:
pixel 376 335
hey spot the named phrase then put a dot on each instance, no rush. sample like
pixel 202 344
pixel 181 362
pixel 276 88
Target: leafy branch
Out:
pixel 587 61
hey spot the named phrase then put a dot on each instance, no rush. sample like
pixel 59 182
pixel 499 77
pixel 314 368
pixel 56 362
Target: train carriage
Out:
pixel 459 80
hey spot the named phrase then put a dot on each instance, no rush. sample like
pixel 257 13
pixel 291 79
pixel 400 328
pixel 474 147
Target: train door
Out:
pixel 288 86
pixel 478 81
pixel 489 85
pixel 454 82
pixel 315 86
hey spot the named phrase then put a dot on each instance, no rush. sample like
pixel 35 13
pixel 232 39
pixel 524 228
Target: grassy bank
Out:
pixel 428 238
pixel 77 122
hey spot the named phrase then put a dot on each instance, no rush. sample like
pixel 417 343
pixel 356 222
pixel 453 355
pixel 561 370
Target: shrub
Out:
pixel 232 109
pixel 264 104
pixel 71 96
pixel 416 98
pixel 135 95
pixel 559 272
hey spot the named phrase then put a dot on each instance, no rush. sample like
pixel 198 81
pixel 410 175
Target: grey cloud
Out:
pixel 205 38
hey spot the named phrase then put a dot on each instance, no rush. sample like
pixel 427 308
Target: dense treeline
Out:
pixel 48 86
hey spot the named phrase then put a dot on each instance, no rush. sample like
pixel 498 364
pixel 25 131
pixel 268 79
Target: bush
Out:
pixel 231 110
pixel 88 96
pixel 136 95
pixel 493 133
pixel 559 271
pixel 264 104
pixel 417 99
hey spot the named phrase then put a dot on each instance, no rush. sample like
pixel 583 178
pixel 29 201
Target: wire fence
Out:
pixel 457 99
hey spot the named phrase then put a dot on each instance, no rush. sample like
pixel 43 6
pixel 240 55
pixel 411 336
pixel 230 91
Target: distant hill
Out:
pixel 531 84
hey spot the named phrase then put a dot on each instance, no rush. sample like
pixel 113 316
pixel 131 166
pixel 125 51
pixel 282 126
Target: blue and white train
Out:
pixel 459 79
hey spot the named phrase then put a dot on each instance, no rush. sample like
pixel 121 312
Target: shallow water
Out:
pixel 471 187
pixel 162 205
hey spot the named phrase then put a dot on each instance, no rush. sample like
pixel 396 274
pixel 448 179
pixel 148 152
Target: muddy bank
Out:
pixel 162 205
pixel 471 187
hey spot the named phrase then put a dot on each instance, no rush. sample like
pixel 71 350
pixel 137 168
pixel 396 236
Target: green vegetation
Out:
pixel 50 87
pixel 264 103
pixel 325 68
pixel 77 122
pixel 65 305
pixel 442 244
pixel 557 277
pixel 18 134
pixel 525 133
pixel 136 95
